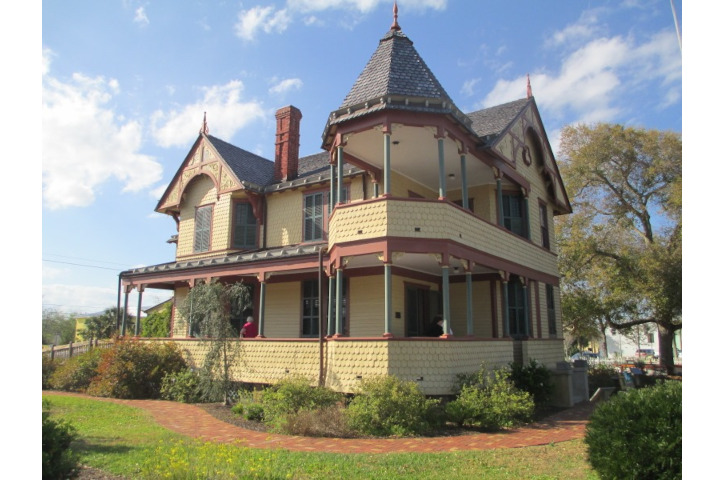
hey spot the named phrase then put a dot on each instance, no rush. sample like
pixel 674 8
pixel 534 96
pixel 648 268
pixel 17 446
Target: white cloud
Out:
pixel 140 17
pixel 85 143
pixel 266 19
pixel 284 86
pixel 585 28
pixel 594 80
pixel 226 114
pixel 469 85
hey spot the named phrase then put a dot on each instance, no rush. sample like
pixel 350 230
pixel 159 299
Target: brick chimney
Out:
pixel 287 143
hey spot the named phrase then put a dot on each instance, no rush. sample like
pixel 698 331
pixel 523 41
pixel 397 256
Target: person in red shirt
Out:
pixel 249 330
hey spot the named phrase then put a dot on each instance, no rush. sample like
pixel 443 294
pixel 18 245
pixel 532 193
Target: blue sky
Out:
pixel 125 85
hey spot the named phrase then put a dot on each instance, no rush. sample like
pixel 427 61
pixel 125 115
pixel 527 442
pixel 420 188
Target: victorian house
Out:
pixel 413 211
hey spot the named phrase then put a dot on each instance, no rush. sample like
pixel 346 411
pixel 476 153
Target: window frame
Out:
pixel 309 318
pixel 200 229
pixel 326 210
pixel 544 225
pixel 506 203
pixel 235 225
pixel 516 295
pixel 551 309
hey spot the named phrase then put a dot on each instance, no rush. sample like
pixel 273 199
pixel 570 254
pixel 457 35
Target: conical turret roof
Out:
pixel 395 78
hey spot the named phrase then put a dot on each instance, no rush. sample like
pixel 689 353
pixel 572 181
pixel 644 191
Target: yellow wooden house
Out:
pixel 412 211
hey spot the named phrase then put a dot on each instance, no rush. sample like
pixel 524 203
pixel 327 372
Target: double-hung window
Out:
pixel 550 311
pixel 514 218
pixel 202 228
pixel 245 226
pixel 314 216
pixel 310 308
pixel 544 221
pixel 516 307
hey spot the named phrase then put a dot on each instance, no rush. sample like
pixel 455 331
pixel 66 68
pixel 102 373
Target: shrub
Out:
pixel 181 386
pixel 328 421
pixel 254 412
pixel 638 434
pixel 602 375
pixel 386 405
pixel 134 369
pixel 59 461
pixel 49 367
pixel 534 378
pixel 492 404
pixel 292 395
pixel 76 373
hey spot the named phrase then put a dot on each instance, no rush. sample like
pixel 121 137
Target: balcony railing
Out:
pixel 433 219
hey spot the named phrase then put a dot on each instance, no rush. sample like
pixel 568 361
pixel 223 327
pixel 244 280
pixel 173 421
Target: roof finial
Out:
pixel 204 127
pixel 528 87
pixel 395 25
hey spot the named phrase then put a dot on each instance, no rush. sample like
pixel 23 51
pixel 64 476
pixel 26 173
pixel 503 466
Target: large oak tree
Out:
pixel 621 249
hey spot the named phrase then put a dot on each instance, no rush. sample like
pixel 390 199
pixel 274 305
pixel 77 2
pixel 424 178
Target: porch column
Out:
pixel 499 200
pixel 464 182
pixel 469 302
pixel 338 304
pixel 386 162
pixel 505 307
pixel 388 300
pixel 338 196
pixel 137 329
pixel 262 295
pixel 446 301
pixel 127 290
pixel 332 190
pixel 330 297
pixel 441 170
pixel 526 308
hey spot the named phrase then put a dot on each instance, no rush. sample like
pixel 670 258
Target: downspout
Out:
pixel 320 319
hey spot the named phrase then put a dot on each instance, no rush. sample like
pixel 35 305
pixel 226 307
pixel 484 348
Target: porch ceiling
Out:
pixel 414 154
pixel 419 262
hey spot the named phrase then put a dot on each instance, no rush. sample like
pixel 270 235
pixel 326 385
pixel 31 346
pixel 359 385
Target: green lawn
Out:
pixel 126 441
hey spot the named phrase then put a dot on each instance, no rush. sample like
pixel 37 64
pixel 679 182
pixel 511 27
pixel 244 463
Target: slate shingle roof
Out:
pixel 245 165
pixel 259 171
pixel 395 68
pixel 494 120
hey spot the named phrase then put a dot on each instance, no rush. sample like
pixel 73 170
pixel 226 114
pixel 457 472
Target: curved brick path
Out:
pixel 194 422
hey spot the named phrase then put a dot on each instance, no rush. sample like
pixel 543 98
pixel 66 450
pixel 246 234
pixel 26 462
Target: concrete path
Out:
pixel 194 422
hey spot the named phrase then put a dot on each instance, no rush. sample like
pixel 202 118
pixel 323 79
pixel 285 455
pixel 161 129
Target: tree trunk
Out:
pixel 666 334
pixel 605 349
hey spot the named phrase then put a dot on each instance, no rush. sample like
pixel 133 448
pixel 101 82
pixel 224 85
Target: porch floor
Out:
pixel 194 422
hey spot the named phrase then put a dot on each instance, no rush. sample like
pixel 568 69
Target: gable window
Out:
pixel 544 220
pixel 202 228
pixel 516 307
pixel 550 311
pixel 514 218
pixel 314 215
pixel 310 308
pixel 245 226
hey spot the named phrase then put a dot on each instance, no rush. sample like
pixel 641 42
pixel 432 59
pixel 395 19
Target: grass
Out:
pixel 126 441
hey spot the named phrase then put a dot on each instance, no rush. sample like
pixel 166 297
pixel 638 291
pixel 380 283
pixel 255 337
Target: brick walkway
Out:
pixel 194 422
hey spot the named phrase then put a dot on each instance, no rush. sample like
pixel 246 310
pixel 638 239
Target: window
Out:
pixel 513 213
pixel 516 307
pixel 310 309
pixel 314 215
pixel 245 226
pixel 544 220
pixel 550 311
pixel 333 300
pixel 202 228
